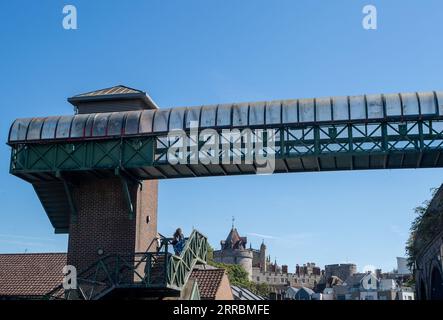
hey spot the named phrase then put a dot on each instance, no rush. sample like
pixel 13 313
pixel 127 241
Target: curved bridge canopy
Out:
pixel 376 131
pixel 335 110
pixel 389 131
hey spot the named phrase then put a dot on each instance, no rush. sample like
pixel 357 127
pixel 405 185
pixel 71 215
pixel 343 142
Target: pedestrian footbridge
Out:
pixel 378 131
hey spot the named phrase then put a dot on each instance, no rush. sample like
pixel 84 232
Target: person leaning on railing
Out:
pixel 178 241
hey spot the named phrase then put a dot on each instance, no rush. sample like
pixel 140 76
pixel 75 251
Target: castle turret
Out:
pixel 234 251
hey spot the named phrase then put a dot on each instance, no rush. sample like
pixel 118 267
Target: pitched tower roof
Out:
pixel 234 240
pixel 117 98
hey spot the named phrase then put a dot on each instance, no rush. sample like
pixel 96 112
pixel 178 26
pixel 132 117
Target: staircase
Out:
pixel 149 274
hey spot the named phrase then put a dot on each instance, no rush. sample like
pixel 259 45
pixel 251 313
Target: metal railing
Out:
pixel 149 270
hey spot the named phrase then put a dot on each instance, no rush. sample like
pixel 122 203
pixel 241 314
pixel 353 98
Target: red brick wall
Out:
pixel 103 220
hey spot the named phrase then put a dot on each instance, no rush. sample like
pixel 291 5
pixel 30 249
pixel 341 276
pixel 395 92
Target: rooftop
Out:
pixel 208 281
pixel 30 274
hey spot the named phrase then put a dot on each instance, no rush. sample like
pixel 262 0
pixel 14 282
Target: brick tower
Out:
pixel 114 214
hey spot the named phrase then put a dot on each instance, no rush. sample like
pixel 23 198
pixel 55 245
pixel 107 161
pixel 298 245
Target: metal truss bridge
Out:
pixel 390 131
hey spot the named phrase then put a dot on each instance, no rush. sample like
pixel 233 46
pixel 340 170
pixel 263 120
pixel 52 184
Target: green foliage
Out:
pixel 423 228
pixel 210 255
pixel 238 276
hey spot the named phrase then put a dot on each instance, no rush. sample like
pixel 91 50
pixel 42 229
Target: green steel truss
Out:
pixel 145 274
pixel 341 146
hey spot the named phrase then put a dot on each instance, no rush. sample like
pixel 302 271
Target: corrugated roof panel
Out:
pixel 49 127
pixel 323 109
pixel 357 107
pixel 410 104
pixel 100 125
pixel 289 111
pixel 226 115
pixel 240 114
pixel 176 119
pixel 146 121
pixel 207 117
pixel 192 116
pixel 161 120
pixel 79 125
pixel 306 110
pixel 132 122
pixel 427 103
pixel 257 113
pixel 273 112
pixel 340 108
pixel 115 124
pixel 35 128
pixel 63 127
pixel 375 106
pixel 393 105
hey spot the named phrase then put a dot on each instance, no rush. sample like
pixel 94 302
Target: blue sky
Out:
pixel 190 52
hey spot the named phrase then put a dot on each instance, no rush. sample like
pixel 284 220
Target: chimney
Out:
pixel 284 269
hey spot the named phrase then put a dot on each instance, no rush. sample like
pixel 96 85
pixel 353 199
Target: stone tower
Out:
pixel 263 267
pixel 233 251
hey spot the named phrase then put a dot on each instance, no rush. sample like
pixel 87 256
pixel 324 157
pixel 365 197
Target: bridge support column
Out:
pixel 103 224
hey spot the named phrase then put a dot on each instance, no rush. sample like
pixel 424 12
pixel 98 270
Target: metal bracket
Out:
pixel 68 191
pixel 126 193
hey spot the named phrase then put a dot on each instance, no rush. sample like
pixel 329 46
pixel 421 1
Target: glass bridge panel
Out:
pixel 115 123
pixel 340 108
pixel 410 104
pixel 240 114
pixel 375 106
pixel 132 122
pixel 78 125
pixel 49 127
pixel 323 109
pixel 289 111
pixel 192 115
pixel 161 120
pixel 35 128
pixel 146 118
pixel 63 127
pixel 176 118
pixel 306 110
pixel 100 124
pixel 207 116
pixel 224 115
pixel 357 107
pixel 427 103
pixel 257 113
pixel 19 129
pixel 273 112
pixel 89 124
pixel 439 95
pixel 393 105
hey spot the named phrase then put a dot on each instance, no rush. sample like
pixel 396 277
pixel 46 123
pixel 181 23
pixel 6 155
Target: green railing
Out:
pixel 159 270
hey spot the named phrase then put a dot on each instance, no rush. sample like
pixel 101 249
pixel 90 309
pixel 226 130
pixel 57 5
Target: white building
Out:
pixel 387 284
pixel 406 294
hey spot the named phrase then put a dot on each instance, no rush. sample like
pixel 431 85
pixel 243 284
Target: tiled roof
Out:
pixel 355 279
pixel 234 240
pixel 32 274
pixel 208 281
pixel 244 294
pixel 109 91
